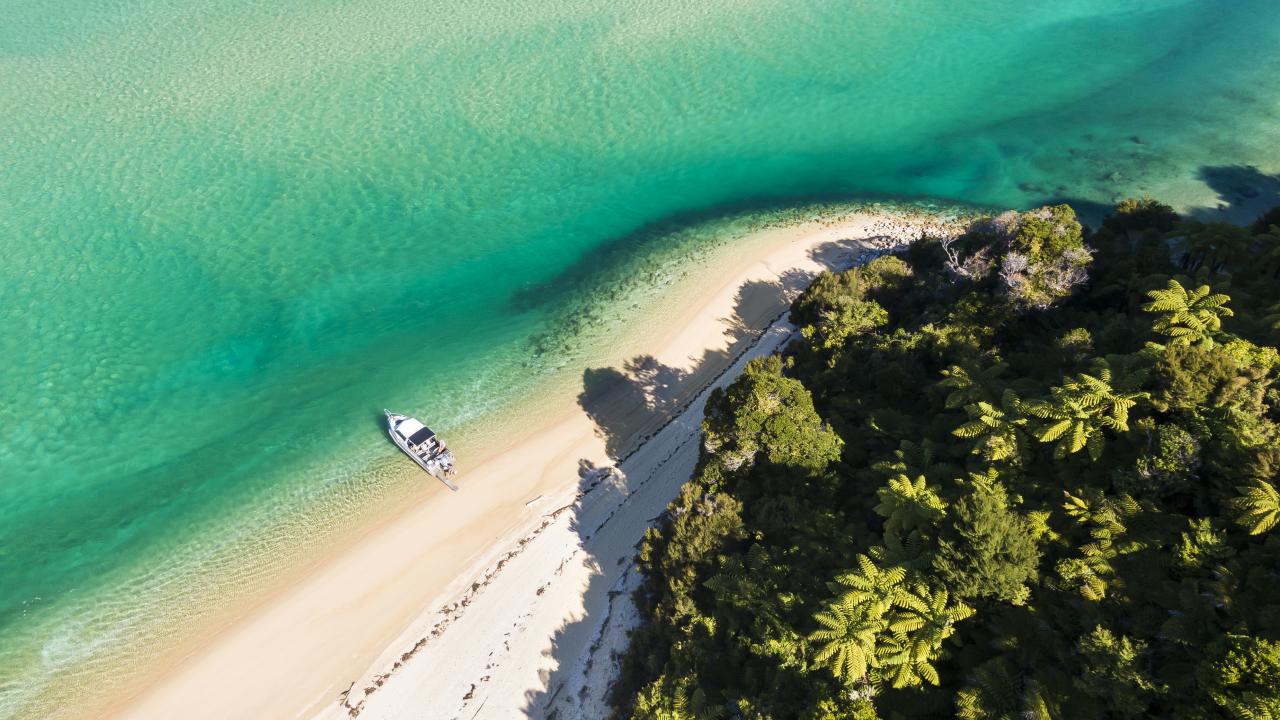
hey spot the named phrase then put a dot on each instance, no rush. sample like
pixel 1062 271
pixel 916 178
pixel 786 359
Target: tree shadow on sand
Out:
pixel 630 404
pixel 603 493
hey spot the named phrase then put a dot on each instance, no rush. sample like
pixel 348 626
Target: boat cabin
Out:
pixel 413 431
pixel 418 434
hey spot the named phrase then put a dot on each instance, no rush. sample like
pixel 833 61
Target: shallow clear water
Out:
pixel 234 231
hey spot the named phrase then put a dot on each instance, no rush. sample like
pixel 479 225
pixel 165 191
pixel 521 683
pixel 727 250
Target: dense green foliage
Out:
pixel 1029 472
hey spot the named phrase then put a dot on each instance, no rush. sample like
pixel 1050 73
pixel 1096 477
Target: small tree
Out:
pixel 1112 672
pixel 850 316
pixel 1210 246
pixel 988 550
pixel 1140 216
pixel 1243 680
pixel 1169 464
pixel 1046 255
pixel 766 412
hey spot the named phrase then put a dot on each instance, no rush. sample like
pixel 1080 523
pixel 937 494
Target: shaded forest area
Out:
pixel 1031 472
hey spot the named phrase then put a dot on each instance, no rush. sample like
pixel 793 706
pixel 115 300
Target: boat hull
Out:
pixel 430 467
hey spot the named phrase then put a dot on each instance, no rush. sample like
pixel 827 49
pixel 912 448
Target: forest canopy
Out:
pixel 1028 472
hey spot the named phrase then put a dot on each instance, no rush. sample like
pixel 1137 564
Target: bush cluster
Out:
pixel 988 484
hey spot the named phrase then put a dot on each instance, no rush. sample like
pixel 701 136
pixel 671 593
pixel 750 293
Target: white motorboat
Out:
pixel 422 444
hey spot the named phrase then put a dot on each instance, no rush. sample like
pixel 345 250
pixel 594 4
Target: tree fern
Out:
pixel 923 619
pixel 885 629
pixel 869 583
pixel 1077 412
pixel 1258 507
pixel 1188 317
pixel 996 429
pixel 994 691
pixel 664 699
pixel 909 505
pixel 970 384
pixel 847 639
pixel 912 459
pixel 1089 573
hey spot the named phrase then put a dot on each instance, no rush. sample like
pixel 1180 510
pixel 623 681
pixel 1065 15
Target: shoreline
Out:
pixel 351 612
pixel 631 490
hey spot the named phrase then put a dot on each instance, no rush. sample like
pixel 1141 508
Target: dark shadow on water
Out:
pixel 620 250
pixel 1244 193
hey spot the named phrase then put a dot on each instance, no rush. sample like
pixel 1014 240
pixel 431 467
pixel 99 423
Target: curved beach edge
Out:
pixel 512 596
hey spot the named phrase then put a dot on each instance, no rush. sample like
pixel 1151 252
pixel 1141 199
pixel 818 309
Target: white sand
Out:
pixel 488 602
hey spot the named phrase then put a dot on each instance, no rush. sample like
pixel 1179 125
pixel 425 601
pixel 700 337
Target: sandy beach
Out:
pixel 507 599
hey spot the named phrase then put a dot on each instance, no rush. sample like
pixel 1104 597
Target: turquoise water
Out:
pixel 233 231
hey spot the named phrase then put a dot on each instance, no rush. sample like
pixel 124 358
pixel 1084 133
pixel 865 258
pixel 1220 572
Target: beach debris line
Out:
pixel 422 444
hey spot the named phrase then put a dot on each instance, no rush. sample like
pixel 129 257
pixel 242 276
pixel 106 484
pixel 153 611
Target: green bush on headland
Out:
pixel 1029 472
